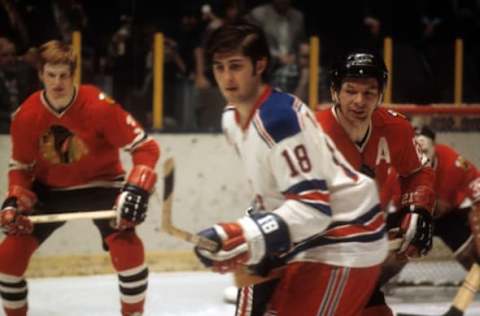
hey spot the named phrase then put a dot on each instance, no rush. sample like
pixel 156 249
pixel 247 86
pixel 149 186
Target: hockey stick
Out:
pixel 242 276
pixel 465 294
pixel 167 223
pixel 61 217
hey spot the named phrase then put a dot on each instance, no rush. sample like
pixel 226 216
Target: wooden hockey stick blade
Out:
pixel 61 217
pixel 167 223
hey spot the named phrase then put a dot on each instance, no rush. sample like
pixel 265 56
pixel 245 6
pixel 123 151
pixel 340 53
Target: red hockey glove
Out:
pixel 132 202
pixel 245 242
pixel 416 229
pixel 13 219
pixel 232 250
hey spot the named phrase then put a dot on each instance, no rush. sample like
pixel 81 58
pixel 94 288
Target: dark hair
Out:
pixel 359 64
pixel 425 131
pixel 239 36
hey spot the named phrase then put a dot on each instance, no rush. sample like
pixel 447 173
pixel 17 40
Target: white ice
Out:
pixel 170 294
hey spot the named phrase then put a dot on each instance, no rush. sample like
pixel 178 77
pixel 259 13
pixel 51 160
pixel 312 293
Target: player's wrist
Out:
pixel 9 203
pixel 417 209
pixel 254 238
pixel 423 198
pixel 143 177
pixel 20 198
pixel 266 234
pixel 131 188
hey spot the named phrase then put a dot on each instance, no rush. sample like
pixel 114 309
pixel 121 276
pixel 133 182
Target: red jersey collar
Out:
pixel 267 91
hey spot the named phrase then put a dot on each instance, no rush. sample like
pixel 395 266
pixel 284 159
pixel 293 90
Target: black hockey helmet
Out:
pixel 360 64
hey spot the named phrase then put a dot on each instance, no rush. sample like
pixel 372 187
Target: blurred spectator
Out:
pixel 303 64
pixel 69 16
pixel 17 80
pixel 139 101
pixel 12 24
pixel 438 41
pixel 53 19
pixel 402 21
pixel 188 40
pixel 121 57
pixel 284 27
pixel 467 25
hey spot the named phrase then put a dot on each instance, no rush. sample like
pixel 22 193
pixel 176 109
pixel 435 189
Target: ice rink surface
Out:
pixel 186 294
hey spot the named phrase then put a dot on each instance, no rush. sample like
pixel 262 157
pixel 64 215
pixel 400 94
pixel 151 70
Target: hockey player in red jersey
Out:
pixel 379 142
pixel 457 192
pixel 313 212
pixel 457 208
pixel 65 157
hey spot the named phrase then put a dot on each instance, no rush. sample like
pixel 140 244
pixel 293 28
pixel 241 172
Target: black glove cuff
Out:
pixel 417 209
pixel 425 214
pixel 11 201
pixel 136 190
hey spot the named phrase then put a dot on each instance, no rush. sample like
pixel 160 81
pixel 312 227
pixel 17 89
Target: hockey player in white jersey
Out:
pixel 313 212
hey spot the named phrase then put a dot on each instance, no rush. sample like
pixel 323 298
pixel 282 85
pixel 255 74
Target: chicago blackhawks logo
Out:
pixel 60 146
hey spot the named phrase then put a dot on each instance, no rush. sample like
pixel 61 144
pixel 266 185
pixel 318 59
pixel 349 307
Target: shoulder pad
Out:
pixel 278 117
pixel 102 96
pixel 396 114
pixel 385 116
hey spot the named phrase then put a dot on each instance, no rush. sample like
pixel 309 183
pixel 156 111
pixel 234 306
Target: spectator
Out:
pixel 57 18
pixel 17 80
pixel 438 41
pixel 467 19
pixel 284 27
pixel 12 24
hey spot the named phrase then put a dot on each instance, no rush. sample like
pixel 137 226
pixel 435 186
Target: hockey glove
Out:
pixel 13 219
pixel 132 202
pixel 245 242
pixel 416 229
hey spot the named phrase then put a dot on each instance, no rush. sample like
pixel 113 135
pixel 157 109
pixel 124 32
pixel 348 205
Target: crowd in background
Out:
pixel 117 39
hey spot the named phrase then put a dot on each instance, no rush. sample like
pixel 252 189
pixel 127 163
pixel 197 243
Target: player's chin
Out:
pixel 361 117
pixel 231 91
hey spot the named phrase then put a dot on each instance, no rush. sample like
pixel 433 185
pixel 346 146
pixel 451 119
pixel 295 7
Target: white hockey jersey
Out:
pixel 332 211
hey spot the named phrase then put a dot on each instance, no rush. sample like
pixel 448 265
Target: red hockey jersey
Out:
pixel 78 146
pixel 456 180
pixel 390 146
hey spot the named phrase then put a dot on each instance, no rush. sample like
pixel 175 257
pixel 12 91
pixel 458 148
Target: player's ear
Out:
pixel 261 66
pixel 334 95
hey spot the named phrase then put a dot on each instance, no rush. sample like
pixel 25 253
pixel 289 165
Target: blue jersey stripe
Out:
pixel 324 208
pixel 360 220
pixel 307 185
pixel 323 241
